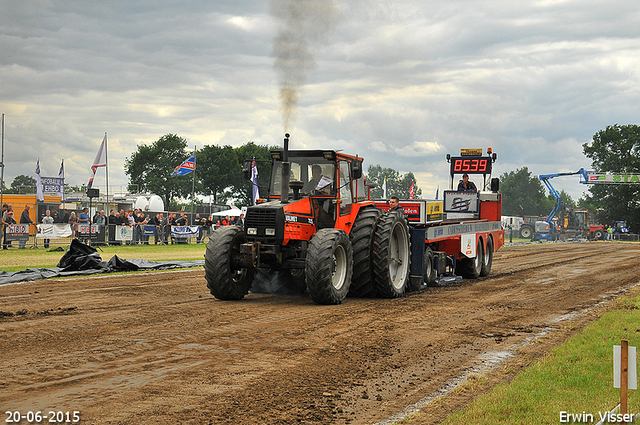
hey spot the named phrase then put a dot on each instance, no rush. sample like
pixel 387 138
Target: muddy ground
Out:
pixel 157 348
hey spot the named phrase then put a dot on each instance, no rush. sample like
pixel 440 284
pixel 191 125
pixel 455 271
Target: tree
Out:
pixel 219 168
pixel 397 184
pixel 23 184
pixel 615 149
pixel 523 194
pixel 150 167
pixel 221 172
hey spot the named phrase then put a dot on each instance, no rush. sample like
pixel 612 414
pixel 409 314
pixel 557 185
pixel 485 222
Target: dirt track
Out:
pixel 157 348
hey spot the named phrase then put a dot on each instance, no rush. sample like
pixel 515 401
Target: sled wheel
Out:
pixel 470 268
pixel 488 258
pixel 430 274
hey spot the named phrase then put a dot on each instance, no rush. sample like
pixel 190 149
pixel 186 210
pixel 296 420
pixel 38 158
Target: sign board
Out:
pixel 471 152
pixel 85 231
pixel 124 233
pixel 184 231
pixel 468 245
pixel 149 230
pixel 438 232
pixel 53 231
pixel 17 232
pixel 460 201
pixel 611 178
pixel 470 165
pixel 418 211
pixel 632 382
pixel 52 184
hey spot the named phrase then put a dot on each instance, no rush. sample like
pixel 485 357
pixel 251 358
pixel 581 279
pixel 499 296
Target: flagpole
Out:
pixel 2 164
pixel 62 181
pixel 193 188
pixel 106 169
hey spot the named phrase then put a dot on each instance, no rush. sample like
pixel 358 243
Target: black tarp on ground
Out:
pixel 82 259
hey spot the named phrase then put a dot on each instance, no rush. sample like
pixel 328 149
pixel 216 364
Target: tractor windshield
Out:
pixel 315 172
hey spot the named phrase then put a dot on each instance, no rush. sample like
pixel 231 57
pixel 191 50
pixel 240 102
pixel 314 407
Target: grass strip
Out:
pixel 576 377
pixel 13 260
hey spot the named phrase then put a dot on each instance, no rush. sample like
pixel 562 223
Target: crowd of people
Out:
pixel 144 226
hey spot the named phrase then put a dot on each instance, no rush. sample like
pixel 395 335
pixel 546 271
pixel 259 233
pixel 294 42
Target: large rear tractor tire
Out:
pixel 362 236
pixel 488 258
pixel 225 279
pixel 329 266
pixel 470 268
pixel 392 255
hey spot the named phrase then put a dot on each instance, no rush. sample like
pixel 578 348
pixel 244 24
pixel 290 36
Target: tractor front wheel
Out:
pixel 225 279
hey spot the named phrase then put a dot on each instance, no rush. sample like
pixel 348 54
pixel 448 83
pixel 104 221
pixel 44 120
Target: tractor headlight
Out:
pixel 270 232
pixel 252 231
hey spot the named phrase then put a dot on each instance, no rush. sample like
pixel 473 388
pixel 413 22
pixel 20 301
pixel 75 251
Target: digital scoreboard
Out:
pixel 471 165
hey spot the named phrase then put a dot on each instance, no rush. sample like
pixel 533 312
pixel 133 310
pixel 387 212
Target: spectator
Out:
pixel 64 217
pixel 225 221
pixel 47 219
pixel 5 207
pixel 165 228
pixel 83 217
pixel 56 215
pixel 73 223
pixel 201 223
pixel 7 220
pixel 113 222
pixel 131 222
pixel 182 220
pixel 25 219
pixel 240 221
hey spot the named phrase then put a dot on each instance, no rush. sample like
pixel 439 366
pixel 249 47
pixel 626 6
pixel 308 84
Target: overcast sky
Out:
pixel 401 83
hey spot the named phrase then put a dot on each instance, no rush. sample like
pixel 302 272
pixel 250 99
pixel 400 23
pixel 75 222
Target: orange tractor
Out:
pixel 317 229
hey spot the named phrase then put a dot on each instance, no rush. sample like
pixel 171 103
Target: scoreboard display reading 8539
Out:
pixel 471 165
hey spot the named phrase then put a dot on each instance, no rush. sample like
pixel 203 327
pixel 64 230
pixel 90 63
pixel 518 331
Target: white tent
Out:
pixel 232 212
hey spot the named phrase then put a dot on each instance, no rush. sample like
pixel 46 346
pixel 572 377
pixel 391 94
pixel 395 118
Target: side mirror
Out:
pixel 495 185
pixel 356 169
pixel 246 169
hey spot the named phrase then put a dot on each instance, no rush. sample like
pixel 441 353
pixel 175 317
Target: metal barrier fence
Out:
pixel 625 237
pixel 48 235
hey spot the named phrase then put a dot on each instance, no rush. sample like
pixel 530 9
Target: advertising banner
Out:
pixel 611 178
pixel 52 185
pixel 124 233
pixel 53 231
pixel 18 232
pixel 149 230
pixel 184 231
pixel 84 231
pixel 460 201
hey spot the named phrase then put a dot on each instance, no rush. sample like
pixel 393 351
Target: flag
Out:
pixel 437 190
pixel 186 167
pixel 254 181
pixel 39 194
pixel 384 189
pixel 61 177
pixel 100 161
pixel 411 192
